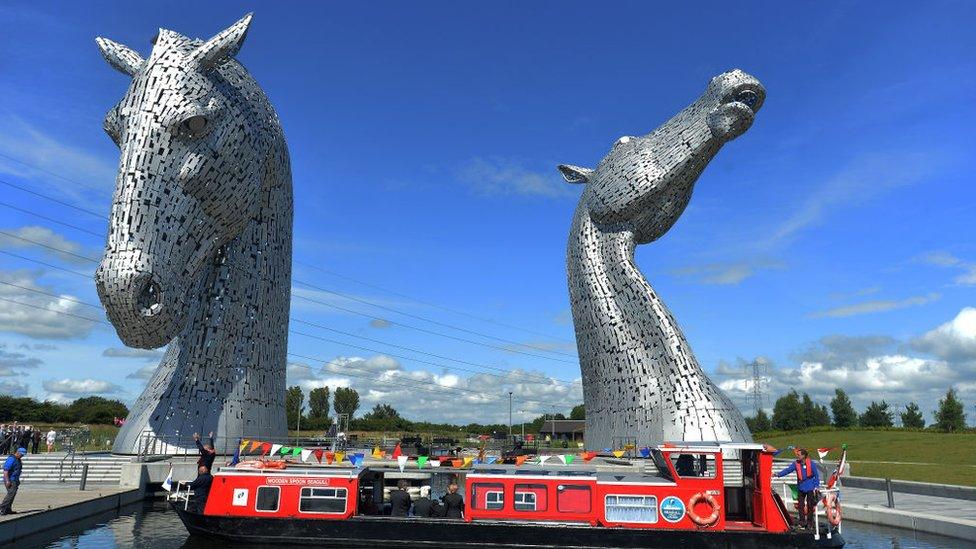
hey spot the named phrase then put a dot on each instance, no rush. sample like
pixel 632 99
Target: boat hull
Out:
pixel 362 531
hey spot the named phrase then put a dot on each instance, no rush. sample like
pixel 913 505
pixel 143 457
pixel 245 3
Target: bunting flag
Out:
pixel 237 455
pixel 567 459
pixel 587 456
pixel 822 452
pixel 377 453
pixel 519 460
pixel 618 453
pixel 491 460
pixel 265 448
pixel 397 453
pixel 285 450
pixel 401 461
pixel 275 448
pixel 466 462
pixel 630 446
pixel 329 457
pixel 357 459
pixel 435 463
pixel 608 450
pixel 318 454
pixel 456 463
pixel 543 459
pixel 421 461
pixel 243 445
pixel 305 454
pixel 339 456
pixel 296 451
pixel 645 452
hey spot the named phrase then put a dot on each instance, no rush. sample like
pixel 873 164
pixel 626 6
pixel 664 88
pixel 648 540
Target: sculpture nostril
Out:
pixel 150 299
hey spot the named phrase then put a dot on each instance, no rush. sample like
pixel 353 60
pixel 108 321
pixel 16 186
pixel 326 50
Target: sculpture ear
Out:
pixel 122 58
pixel 575 174
pixel 224 45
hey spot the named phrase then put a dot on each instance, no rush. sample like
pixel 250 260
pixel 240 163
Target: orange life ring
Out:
pixel 832 509
pixel 703 497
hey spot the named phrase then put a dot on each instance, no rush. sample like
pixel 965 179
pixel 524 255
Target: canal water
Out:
pixel 153 525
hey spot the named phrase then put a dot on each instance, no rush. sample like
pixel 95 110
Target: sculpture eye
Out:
pixel 749 97
pixel 194 126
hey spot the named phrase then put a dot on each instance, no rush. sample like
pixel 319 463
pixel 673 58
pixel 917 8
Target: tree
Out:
pixel 788 412
pixel 96 409
pixel 912 418
pixel 578 412
pixel 877 415
pixel 318 403
pixel 346 401
pixel 294 399
pixel 950 416
pixel 760 423
pixel 842 410
pixel 382 411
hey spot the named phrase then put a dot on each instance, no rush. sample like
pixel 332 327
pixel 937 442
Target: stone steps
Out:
pixel 44 468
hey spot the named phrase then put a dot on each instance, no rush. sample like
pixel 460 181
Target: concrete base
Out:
pixel 41 509
pixel 919 522
pixel 137 475
pixel 917 488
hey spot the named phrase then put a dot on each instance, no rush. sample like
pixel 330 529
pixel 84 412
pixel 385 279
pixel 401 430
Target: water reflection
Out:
pixel 152 525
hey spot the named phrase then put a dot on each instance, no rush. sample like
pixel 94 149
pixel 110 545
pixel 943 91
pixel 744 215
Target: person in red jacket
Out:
pixel 807 482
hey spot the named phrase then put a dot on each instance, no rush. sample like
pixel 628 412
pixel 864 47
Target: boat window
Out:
pixel 322 500
pixel 531 497
pixel 573 498
pixel 630 508
pixel 689 465
pixel 267 499
pixel 661 464
pixel 488 495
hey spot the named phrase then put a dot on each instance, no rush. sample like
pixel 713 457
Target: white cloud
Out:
pixel 876 306
pixel 955 340
pixel 11 362
pixel 380 323
pixel 66 389
pixel 43 316
pixel 143 373
pixel 442 396
pixel 944 259
pixel 129 352
pixel 498 176
pixel 726 274
pixel 48 242
pixel 13 388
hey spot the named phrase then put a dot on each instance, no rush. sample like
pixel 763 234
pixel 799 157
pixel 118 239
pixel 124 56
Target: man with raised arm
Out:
pixel 207 452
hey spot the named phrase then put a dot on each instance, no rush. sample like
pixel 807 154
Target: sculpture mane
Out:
pixel 198 254
pixel 641 381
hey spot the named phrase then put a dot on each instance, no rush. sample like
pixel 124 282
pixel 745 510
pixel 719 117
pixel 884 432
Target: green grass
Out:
pixel 924 456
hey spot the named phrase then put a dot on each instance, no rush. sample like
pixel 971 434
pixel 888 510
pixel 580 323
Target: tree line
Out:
pixel 90 410
pixel 793 412
pixel 314 415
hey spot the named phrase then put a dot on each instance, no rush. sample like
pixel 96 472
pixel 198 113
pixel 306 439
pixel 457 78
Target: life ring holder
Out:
pixel 703 497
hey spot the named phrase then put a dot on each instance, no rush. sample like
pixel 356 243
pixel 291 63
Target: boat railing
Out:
pixel 151 445
pixel 182 494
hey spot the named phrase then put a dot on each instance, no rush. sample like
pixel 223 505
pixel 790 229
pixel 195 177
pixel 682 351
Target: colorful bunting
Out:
pixel 492 460
pixel 456 463
pixel 435 463
pixel 823 452
pixel 318 454
pixel 275 448
pixel 421 461
pixel 377 453
pixel 401 461
pixel 296 451
pixel 397 453
pixel 519 460
pixel 329 457
pixel 543 459
pixel 305 454
pixel 645 452
pixel 339 456
pixel 256 444
pixel 618 453
pixel 243 445
pixel 466 462
pixel 357 459
pixel 587 456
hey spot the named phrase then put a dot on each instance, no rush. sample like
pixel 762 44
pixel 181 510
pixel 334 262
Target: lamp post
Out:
pixel 510 416
pixel 522 416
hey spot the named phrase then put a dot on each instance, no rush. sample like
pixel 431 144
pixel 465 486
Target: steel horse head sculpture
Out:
pixel 199 243
pixel 640 378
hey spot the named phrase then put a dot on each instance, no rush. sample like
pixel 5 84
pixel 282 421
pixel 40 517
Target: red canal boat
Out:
pixel 701 495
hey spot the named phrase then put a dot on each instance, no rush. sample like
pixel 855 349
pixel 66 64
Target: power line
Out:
pixel 39 262
pixel 539 379
pixel 65 298
pixel 346 296
pixel 49 247
pixel 51 219
pixel 423 302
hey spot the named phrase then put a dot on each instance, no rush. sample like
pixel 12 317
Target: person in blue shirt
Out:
pixel 11 479
pixel 807 482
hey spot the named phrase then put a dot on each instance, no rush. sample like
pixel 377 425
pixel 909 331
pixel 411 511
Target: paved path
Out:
pixel 930 505
pixel 34 498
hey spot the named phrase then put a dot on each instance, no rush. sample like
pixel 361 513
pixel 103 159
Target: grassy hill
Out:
pixel 947 458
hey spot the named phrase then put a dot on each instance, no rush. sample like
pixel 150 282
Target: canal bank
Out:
pixel 45 507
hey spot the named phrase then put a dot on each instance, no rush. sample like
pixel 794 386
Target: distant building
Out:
pixel 563 429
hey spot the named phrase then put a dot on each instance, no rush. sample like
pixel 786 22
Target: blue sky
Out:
pixel 833 241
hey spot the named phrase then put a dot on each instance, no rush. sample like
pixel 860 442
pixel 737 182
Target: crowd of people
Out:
pixel 451 505
pixel 15 436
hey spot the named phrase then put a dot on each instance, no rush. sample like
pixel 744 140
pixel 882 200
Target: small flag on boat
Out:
pixel 587 456
pixel 645 452
pixel 297 452
pixel 237 455
pixel 285 450
pixel 466 462
pixel 397 453
pixel 456 463
pixel 357 459
pixel 618 453
pixel 421 461
pixel 242 445
pixel 274 449
pixel 519 460
pixel 339 456
pixel 491 460
pixel 822 452
pixel 543 459
pixel 567 459
pixel 305 454
pixel 377 453
pixel 168 483
pixel 318 454
pixel 256 444
pixel 329 458
pixel 401 461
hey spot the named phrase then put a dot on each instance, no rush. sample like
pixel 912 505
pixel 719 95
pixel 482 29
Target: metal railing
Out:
pixel 70 454
pixel 179 494
pixel 151 445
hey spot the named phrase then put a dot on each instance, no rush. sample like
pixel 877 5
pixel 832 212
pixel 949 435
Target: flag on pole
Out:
pixel 822 452
pixel 401 461
pixel 168 483
pixel 237 455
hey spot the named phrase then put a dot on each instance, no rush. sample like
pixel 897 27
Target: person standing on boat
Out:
pixel 453 503
pixel 400 499
pixel 207 452
pixel 807 482
pixel 201 487
pixel 11 479
pixel 423 506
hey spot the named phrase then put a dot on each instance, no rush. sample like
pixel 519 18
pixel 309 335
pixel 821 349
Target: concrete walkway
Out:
pixel 930 505
pixel 41 507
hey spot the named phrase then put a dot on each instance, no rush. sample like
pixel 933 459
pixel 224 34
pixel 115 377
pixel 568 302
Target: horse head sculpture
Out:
pixel 198 254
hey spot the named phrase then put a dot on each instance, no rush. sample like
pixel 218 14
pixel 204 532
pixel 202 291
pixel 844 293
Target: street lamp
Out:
pixel 522 416
pixel 510 415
